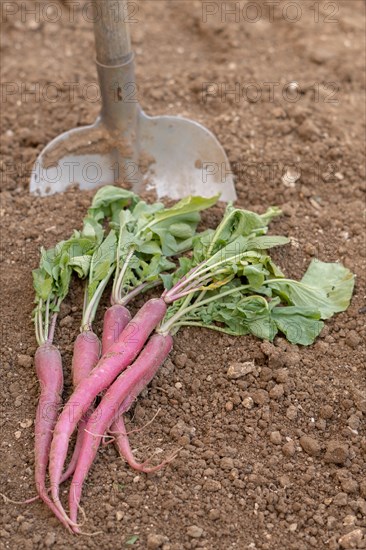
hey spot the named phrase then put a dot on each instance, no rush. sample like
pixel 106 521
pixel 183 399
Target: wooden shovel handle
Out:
pixel 112 37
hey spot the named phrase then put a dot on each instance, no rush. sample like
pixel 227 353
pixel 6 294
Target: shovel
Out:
pixel 170 155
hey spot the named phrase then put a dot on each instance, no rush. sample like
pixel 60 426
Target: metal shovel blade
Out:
pixel 172 156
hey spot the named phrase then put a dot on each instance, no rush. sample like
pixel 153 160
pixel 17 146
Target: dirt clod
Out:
pixel 289 448
pixel 310 445
pixel 275 438
pixel 238 370
pixel 248 402
pixel 155 541
pixel 351 540
pixel 340 499
pixel 50 539
pixel 276 392
pixel 212 485
pixel 291 412
pixel 25 361
pixel 349 485
pixel 326 412
pixel 336 452
pixel 119 515
pixel 194 532
pixel 260 397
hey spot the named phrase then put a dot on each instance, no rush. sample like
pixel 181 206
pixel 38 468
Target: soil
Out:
pixel 273 460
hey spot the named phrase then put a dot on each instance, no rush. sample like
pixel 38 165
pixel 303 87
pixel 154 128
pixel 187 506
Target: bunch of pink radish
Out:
pixel 225 281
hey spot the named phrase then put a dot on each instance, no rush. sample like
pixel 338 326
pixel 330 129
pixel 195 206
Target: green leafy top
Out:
pixel 85 253
pixel 141 237
pixel 102 266
pixel 235 249
pixel 109 200
pixel 51 280
pixel 232 285
pixel 148 235
pixel 240 223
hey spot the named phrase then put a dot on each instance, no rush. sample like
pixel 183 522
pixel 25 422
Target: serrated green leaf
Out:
pixel 240 223
pixel 102 261
pixel 186 206
pixel 181 230
pixel 167 279
pixel 109 200
pixel 42 283
pixel 81 265
pixel 265 242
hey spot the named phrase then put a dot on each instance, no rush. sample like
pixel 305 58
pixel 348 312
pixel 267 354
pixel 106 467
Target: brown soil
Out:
pixel 258 466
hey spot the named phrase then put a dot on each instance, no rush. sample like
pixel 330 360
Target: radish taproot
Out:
pixel 85 357
pixel 115 320
pixel 51 283
pixel 48 365
pixel 87 344
pixel 120 434
pixel 127 386
pixel 120 355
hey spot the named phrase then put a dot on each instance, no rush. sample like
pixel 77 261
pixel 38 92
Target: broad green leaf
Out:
pixel 181 230
pixel 102 260
pixel 150 248
pixel 266 242
pixel 184 246
pixel 335 279
pixel 300 325
pixel 92 230
pixel 168 242
pixel 255 274
pixel 167 279
pixel 271 213
pixel 186 206
pixel 241 223
pixel 144 211
pixel 64 282
pixel 48 258
pixel 326 288
pixel 81 265
pixel 109 200
pixel 77 247
pixel 42 283
pixel 256 315
pixel 131 540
